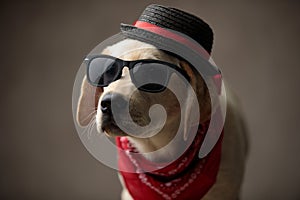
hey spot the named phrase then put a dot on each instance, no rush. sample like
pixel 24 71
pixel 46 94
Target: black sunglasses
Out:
pixel 148 75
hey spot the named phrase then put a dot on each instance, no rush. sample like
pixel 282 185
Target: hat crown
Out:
pixel 178 20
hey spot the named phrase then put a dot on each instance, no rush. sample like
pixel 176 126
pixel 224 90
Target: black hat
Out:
pixel 181 32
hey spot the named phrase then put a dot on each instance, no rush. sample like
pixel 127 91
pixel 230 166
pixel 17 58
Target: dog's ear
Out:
pixel 88 102
pixel 203 99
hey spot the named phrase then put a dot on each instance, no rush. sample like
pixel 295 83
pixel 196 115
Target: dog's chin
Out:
pixel 112 130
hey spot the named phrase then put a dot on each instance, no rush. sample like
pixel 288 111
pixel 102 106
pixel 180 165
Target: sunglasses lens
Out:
pixel 102 71
pixel 150 77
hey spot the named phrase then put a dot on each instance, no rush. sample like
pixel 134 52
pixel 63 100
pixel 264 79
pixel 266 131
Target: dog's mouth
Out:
pixel 132 124
pixel 110 128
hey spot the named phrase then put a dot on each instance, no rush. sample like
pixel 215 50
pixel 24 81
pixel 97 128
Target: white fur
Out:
pixel 234 147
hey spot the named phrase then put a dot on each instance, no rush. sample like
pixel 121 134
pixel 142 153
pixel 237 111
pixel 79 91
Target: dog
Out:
pixel 94 102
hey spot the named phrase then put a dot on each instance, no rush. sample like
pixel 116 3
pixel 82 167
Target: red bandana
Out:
pixel 186 178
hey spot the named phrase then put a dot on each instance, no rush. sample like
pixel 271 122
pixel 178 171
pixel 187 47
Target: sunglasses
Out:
pixel 147 75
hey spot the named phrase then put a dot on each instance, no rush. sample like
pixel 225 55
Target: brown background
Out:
pixel 43 44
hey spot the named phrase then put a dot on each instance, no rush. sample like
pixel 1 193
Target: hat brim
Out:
pixel 202 65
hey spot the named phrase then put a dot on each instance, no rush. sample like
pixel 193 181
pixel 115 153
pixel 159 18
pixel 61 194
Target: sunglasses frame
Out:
pixel 130 65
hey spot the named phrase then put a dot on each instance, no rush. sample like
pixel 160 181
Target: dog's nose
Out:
pixel 106 103
pixel 118 102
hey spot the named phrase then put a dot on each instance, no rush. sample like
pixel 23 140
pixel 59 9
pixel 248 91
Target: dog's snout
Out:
pixel 112 99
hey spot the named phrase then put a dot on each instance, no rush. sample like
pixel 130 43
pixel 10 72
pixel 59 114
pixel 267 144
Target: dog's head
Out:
pixel 95 102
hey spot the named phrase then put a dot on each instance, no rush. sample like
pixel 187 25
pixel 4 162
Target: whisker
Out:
pixel 90 127
pixel 87 128
pixel 91 109
pixel 89 115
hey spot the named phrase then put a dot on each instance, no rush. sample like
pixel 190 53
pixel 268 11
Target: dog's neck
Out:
pixel 188 171
pixel 153 144
pixel 147 145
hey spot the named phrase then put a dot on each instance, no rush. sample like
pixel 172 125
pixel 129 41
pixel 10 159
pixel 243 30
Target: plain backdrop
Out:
pixel 43 44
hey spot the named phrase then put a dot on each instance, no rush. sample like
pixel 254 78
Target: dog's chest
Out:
pixel 186 178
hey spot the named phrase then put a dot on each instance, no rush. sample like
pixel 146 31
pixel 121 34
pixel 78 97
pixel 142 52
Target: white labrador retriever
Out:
pixel 94 102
